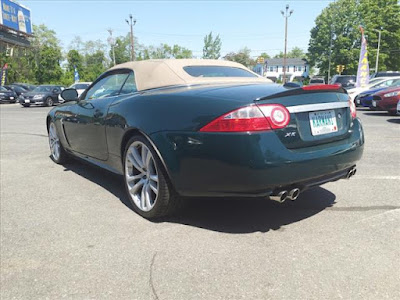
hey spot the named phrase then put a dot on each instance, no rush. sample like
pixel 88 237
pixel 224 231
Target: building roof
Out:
pixel 289 61
pixel 156 73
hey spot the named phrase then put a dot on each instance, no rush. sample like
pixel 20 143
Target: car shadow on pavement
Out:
pixel 377 113
pixel 395 121
pixel 229 215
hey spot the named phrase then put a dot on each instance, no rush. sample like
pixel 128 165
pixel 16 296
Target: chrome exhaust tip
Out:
pixel 294 194
pixel 351 173
pixel 280 197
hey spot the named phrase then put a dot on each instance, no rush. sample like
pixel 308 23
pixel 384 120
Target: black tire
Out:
pixel 63 155
pixel 26 105
pixel 392 113
pixel 49 102
pixel 166 202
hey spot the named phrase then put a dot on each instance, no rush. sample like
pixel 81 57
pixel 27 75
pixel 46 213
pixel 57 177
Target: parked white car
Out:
pixel 80 87
pixel 373 84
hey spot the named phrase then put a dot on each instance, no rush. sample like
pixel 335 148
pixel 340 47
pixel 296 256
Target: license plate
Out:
pixel 323 122
pixel 27 101
pixel 373 103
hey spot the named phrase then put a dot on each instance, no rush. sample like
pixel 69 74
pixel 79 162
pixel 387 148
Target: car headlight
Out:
pixel 38 96
pixel 392 94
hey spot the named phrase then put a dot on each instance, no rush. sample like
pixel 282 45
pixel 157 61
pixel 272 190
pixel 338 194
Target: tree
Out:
pixel 122 49
pixel 212 47
pixel 164 51
pixel 338 24
pixel 49 69
pixel 242 57
pixel 296 52
pixel 265 55
pixel 95 65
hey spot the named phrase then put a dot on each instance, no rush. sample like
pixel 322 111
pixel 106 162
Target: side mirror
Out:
pixel 69 95
pixel 55 91
pixel 292 85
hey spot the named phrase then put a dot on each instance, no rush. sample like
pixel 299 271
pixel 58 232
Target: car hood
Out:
pixel 389 90
pixel 369 92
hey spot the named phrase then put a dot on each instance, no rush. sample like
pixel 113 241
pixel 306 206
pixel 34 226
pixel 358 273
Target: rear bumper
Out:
pixel 208 164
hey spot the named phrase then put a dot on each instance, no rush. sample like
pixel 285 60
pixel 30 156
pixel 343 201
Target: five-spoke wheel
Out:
pixel 57 152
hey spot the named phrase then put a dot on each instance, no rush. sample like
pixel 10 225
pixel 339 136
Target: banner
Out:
pixel 76 74
pixel 363 66
pixel 3 75
pixel 15 16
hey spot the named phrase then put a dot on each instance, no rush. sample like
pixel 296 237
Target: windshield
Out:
pixel 43 88
pixel 345 79
pixel 3 89
pixel 79 86
pixel 217 71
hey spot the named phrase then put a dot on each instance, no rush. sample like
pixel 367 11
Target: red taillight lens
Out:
pixel 321 87
pixel 353 110
pixel 251 118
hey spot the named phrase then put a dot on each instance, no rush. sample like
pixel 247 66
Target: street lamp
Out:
pixel 131 23
pixel 286 16
pixel 377 53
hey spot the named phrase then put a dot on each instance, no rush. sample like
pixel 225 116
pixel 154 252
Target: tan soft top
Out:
pixel 156 73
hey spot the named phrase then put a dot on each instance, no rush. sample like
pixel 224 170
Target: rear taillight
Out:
pixel 251 118
pixel 353 110
pixel 321 87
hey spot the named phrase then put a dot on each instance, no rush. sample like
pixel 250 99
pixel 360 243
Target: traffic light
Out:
pixel 340 68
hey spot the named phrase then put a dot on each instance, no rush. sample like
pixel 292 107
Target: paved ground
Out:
pixel 68 231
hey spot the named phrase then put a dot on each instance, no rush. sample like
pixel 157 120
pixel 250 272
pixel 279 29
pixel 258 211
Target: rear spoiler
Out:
pixel 309 89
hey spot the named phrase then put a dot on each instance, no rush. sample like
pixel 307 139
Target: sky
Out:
pixel 257 25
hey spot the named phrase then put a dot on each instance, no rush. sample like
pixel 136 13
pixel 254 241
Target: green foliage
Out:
pixel 122 49
pixel 265 55
pixel 341 21
pixel 212 46
pixel 164 51
pixel 242 57
pixel 296 52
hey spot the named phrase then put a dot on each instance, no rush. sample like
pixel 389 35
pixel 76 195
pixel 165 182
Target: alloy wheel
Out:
pixel 54 142
pixel 141 176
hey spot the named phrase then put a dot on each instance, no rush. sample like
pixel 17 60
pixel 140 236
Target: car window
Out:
pixel 130 85
pixel 107 87
pixel 3 89
pixel 217 71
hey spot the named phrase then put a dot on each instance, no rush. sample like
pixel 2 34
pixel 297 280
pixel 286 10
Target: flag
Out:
pixel 3 75
pixel 76 74
pixel 363 66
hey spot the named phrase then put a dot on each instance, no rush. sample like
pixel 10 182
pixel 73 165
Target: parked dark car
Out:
pixel 7 96
pixel 17 89
pixel 346 81
pixel 385 74
pixel 26 86
pixel 387 100
pixel 45 95
pixel 212 128
pixel 317 80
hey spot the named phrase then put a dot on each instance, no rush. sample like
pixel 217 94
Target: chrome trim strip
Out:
pixel 315 107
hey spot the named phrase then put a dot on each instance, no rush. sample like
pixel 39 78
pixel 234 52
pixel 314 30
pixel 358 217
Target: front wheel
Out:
pixel 145 180
pixel 49 102
pixel 26 105
pixel 57 152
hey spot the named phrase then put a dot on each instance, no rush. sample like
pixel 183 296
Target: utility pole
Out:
pixel 131 23
pixel 330 56
pixel 379 45
pixel 286 16
pixel 111 41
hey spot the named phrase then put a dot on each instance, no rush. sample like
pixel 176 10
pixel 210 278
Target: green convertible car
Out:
pixel 212 128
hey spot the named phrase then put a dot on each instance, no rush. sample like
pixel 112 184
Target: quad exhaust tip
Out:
pixel 351 173
pixel 280 197
pixel 286 195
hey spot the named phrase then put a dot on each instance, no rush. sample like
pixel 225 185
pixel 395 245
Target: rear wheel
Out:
pixel 49 101
pixel 145 180
pixel 57 152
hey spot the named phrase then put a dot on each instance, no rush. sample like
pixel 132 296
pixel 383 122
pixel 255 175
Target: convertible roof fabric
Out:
pixel 155 73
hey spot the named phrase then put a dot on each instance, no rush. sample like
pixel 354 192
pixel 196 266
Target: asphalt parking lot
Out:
pixel 69 232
